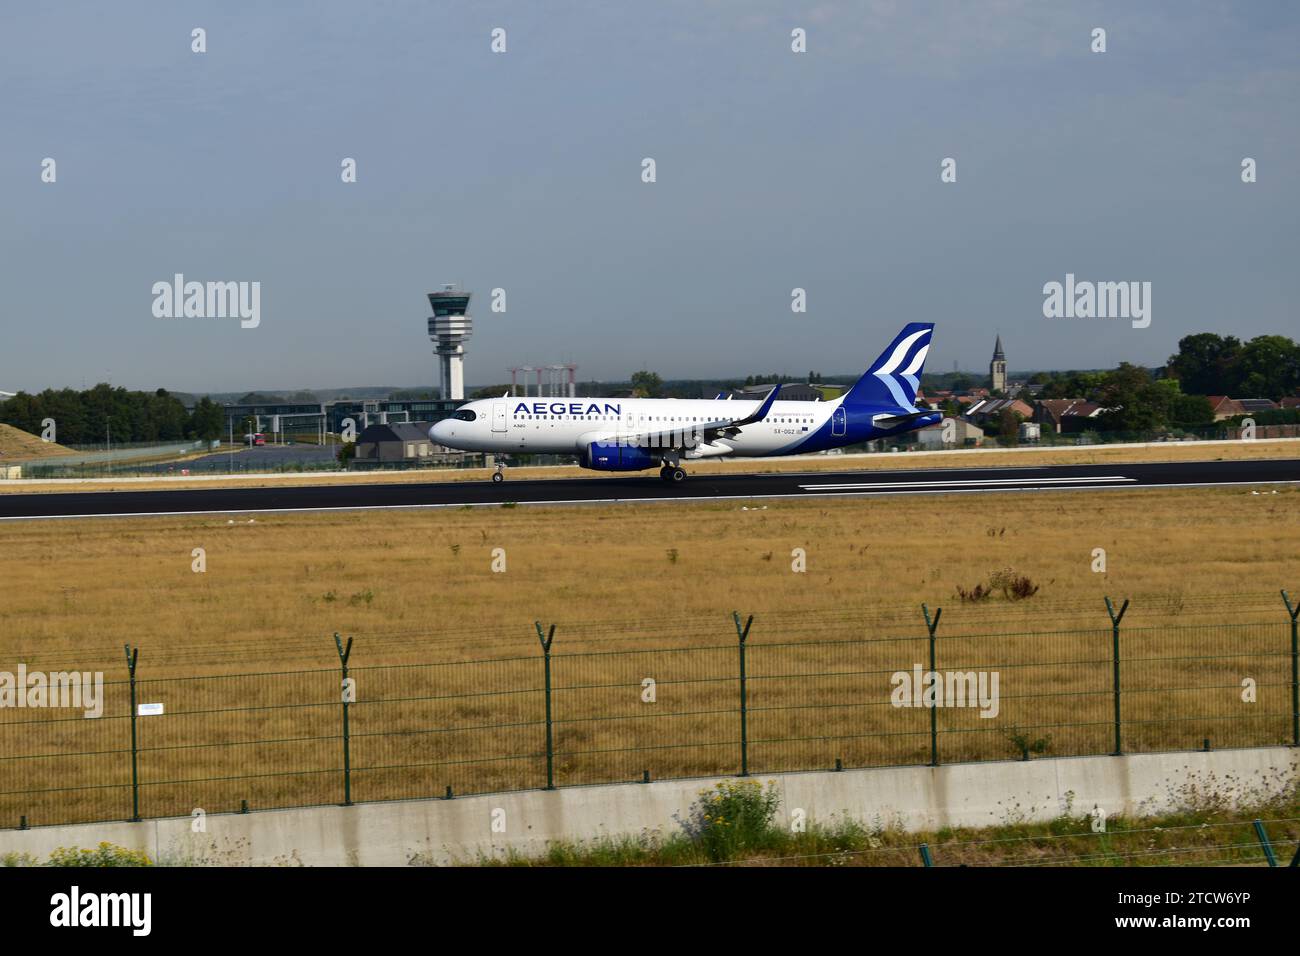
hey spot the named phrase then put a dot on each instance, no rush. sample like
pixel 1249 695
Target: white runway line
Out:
pixel 965 482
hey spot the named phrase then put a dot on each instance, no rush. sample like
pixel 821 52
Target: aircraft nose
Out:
pixel 439 433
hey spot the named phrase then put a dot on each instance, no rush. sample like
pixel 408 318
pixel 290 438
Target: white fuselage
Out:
pixel 569 425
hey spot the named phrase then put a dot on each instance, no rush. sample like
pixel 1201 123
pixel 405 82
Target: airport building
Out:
pixel 790 392
pixel 399 442
pixel 304 420
pixel 449 327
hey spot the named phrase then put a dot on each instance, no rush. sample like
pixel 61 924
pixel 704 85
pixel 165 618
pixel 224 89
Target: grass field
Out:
pixel 635 592
pixel 18 445
pixel 420 586
pixel 1009 458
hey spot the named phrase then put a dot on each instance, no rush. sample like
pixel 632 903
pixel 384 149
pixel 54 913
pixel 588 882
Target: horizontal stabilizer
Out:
pixel 893 421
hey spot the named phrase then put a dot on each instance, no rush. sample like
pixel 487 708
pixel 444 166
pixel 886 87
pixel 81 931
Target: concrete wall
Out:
pixel 424 832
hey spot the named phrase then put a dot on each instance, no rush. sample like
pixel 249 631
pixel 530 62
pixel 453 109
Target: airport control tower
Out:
pixel 449 327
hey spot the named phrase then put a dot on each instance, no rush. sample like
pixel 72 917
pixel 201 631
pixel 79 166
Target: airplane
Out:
pixel 634 434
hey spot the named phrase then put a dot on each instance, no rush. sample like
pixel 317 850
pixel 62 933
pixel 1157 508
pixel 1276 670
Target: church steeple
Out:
pixel 998 368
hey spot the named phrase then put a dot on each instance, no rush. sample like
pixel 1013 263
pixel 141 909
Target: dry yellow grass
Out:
pixel 655 583
pixel 1113 454
pixel 18 445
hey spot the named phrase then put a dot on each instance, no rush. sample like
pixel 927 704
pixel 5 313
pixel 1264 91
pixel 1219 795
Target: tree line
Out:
pixel 1268 366
pixel 95 415
pixel 1140 399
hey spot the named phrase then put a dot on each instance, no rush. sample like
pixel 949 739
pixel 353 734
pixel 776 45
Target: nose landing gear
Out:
pixel 499 474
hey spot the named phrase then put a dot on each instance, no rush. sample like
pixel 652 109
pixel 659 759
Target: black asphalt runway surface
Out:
pixel 212 499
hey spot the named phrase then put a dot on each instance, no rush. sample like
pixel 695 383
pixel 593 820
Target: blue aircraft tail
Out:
pixel 893 379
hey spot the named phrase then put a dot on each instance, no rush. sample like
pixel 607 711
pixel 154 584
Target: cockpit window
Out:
pixel 464 415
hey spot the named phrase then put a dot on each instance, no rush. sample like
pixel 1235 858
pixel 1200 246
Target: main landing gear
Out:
pixel 673 474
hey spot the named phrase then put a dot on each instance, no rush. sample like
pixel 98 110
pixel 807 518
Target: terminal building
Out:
pixel 401 442
pixel 448 328
pixel 331 418
pixel 790 392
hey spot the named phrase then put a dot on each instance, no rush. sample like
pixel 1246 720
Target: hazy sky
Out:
pixel 522 171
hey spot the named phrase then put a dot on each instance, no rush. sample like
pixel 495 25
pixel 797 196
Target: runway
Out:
pixel 651 488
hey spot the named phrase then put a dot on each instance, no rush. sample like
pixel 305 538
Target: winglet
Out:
pixel 763 409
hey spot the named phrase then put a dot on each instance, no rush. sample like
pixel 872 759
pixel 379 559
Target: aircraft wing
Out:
pixel 688 435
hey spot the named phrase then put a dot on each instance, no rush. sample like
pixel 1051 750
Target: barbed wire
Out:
pixel 272 645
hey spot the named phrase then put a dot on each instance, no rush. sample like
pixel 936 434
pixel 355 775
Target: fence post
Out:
pixel 1294 610
pixel 348 696
pixel 1262 836
pixel 1114 633
pixel 550 740
pixel 742 634
pixel 133 655
pixel 932 626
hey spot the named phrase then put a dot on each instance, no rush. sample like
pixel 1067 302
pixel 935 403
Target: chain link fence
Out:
pixel 228 743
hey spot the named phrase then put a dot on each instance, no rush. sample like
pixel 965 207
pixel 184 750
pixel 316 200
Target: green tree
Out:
pixel 1268 366
pixel 1008 427
pixel 88 417
pixel 491 391
pixel 1135 402
pixel 1190 410
pixel 962 382
pixel 206 421
pixel 1204 363
pixel 647 384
